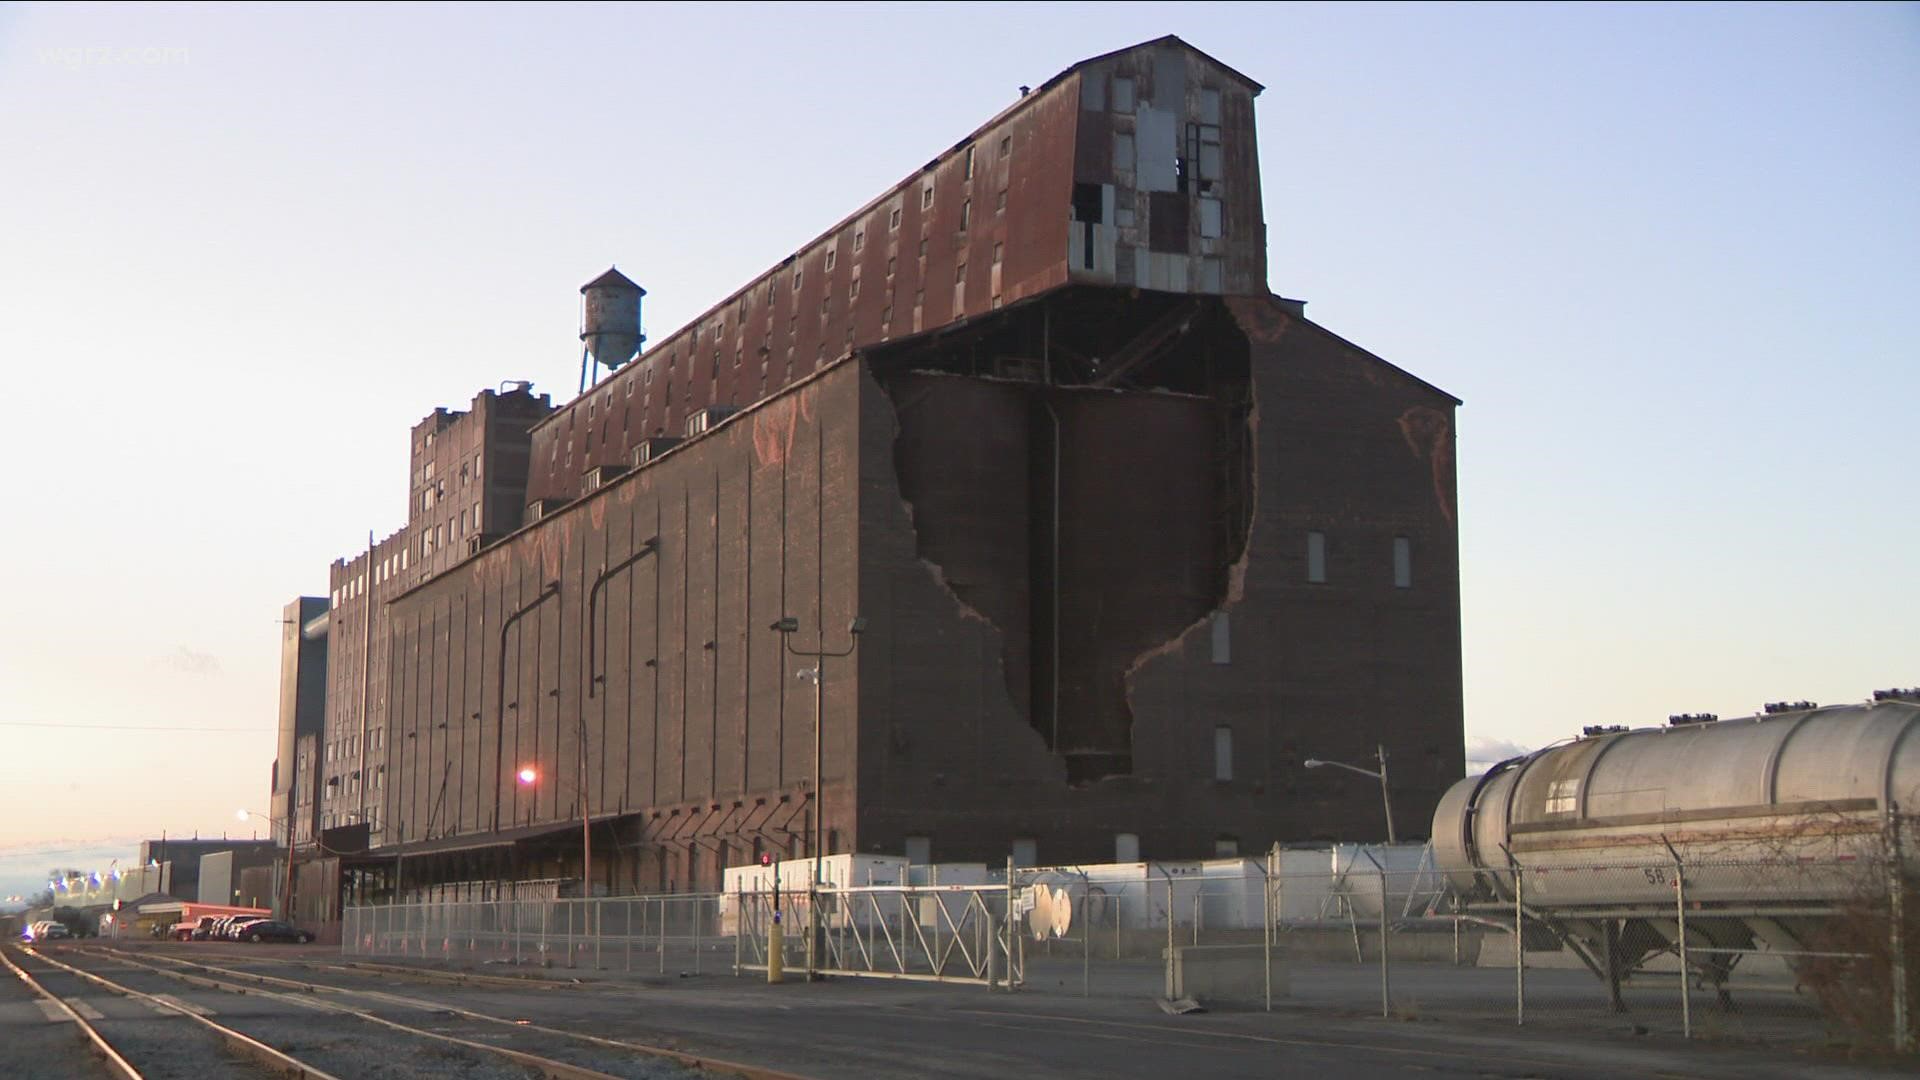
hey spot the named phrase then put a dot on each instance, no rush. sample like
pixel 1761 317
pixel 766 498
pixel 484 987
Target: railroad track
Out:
pixel 126 1038
pixel 120 1054
pixel 359 1003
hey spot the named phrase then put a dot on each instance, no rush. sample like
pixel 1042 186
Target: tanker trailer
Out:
pixel 1777 822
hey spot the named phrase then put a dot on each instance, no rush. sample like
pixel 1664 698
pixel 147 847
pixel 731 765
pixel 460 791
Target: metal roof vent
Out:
pixel 1684 719
pixel 1775 708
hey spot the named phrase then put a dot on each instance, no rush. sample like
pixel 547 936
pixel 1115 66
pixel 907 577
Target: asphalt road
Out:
pixel 861 1029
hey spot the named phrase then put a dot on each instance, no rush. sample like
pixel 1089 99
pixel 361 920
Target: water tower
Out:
pixel 609 324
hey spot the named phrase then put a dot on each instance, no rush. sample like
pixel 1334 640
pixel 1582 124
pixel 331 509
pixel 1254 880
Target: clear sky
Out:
pixel 1669 256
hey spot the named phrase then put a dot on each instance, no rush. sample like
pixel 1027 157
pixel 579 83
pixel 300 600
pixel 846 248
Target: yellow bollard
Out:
pixel 776 951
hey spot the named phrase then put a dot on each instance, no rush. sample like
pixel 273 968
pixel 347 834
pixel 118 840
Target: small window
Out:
pixel 1402 563
pixel 969 173
pixel 1226 847
pixel 1126 847
pixel 1026 852
pixel 832 257
pixel 923 249
pixel 1317 558
pixel 1122 95
pixel 998 249
pixel 966 214
pixel 1006 145
pixel 859 239
pixel 1000 202
pixel 1123 151
pixel 1223 753
pixel 797 274
pixel 1222 639
pixel 919 850
pixel 960 273
pixel 893 219
pixel 1210 218
pixel 926 196
pixel 890 264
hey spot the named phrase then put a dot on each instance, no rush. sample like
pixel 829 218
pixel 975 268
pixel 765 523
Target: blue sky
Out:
pixel 1668 256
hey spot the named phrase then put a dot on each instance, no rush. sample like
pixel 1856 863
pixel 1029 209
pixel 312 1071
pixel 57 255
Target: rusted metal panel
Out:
pixel 1007 186
pixel 698 705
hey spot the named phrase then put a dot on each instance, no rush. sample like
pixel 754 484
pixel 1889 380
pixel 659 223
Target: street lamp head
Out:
pixel 1313 763
pixel 242 814
pixel 528 775
pixel 858 624
pixel 787 625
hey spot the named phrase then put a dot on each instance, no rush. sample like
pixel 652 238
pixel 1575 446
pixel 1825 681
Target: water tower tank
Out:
pixel 610 318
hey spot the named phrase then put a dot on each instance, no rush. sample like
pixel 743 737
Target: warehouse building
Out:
pixel 1100 541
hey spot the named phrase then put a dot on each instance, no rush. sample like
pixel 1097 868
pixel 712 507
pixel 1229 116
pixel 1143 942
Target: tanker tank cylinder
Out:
pixel 610 319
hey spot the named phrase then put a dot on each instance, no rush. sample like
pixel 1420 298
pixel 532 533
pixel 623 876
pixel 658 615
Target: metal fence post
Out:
pixel 1519 948
pixel 570 954
pixel 1386 996
pixel 1169 963
pixel 663 935
pixel 1266 929
pixel 699 906
pixel 1896 932
pixel 1680 907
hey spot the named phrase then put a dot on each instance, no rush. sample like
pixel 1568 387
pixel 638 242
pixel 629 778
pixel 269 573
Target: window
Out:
pixel 926 196
pixel 855 291
pixel 923 248
pixel 1000 202
pixel 1402 563
pixel 919 850
pixel 1210 218
pixel 859 239
pixel 832 257
pixel 960 274
pixel 1123 151
pixel 797 273
pixel 1122 95
pixel 998 249
pixel 1222 639
pixel 1223 753
pixel 966 214
pixel 1006 145
pixel 890 264
pixel 893 220
pixel 1126 847
pixel 1317 558
pixel 1226 847
pixel 1026 851
pixel 969 172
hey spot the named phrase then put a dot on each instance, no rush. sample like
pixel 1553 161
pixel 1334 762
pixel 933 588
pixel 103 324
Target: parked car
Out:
pixel 200 929
pixel 237 926
pixel 274 930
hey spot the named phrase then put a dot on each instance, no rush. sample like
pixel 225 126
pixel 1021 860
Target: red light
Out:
pixel 528 776
pixel 766 859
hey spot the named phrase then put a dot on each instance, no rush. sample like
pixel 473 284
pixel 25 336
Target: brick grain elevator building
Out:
pixel 1130 537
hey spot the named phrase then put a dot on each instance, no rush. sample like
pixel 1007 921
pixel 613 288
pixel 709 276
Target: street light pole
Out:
pixel 787 627
pixel 1386 798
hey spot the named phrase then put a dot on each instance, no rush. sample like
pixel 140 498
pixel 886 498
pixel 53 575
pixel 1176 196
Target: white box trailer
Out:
pixel 842 871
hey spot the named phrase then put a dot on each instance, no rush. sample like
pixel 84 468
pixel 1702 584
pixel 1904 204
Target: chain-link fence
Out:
pixel 1777 949
pixel 1794 949
pixel 678 932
